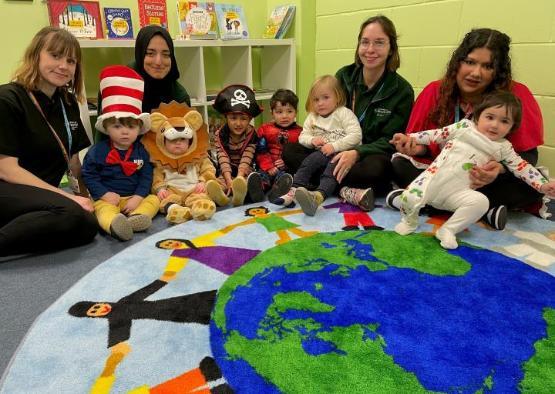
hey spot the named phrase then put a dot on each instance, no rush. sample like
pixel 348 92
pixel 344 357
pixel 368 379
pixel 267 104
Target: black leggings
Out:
pixel 506 189
pixel 373 171
pixel 38 220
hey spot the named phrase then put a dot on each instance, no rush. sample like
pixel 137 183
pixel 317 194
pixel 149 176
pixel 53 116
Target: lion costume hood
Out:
pixel 171 121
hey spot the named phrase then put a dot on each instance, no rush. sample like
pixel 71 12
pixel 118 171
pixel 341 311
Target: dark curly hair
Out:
pixel 499 44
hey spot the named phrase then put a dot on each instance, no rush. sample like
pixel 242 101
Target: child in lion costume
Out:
pixel 178 145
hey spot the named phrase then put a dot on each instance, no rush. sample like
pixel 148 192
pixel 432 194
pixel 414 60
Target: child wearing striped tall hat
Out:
pixel 117 171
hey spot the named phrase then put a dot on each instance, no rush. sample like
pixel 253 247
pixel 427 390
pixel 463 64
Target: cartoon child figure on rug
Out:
pixel 178 144
pixel 329 128
pixel 117 171
pixel 273 223
pixel 446 184
pixel 273 136
pixel 190 308
pixel 235 147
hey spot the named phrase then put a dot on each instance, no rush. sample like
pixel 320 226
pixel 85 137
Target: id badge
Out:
pixel 73 183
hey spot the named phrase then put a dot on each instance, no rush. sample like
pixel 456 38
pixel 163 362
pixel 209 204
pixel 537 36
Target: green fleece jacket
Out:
pixel 382 111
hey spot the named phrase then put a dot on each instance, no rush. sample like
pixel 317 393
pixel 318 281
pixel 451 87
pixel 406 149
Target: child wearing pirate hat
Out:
pixel 117 171
pixel 235 146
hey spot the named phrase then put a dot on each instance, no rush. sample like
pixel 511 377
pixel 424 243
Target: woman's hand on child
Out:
pixel 344 161
pixel 111 198
pixel 484 175
pixel 84 202
pixel 163 193
pixel 406 145
pixel 548 189
pixel 317 142
pixel 273 171
pixel 200 187
pixel 131 204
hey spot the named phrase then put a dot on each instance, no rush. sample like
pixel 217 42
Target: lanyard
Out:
pixel 66 122
pixel 458 112
pixel 353 101
pixel 64 151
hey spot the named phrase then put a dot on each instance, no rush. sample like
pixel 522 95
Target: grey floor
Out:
pixel 29 285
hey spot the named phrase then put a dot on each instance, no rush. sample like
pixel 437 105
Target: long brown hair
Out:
pixel 499 44
pixel 393 61
pixel 56 41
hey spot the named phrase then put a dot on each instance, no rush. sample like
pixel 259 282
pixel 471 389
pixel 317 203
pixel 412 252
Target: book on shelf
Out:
pixel 279 21
pixel 231 22
pixel 197 20
pixel 153 12
pixel 118 23
pixel 80 18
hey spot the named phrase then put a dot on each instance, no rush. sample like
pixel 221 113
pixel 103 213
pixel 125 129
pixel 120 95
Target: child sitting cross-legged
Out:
pixel 235 148
pixel 329 128
pixel 117 171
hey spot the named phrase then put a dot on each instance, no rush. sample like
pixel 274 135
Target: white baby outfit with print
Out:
pixel 446 183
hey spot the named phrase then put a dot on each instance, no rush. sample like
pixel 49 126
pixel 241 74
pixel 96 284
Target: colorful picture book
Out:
pixel 81 18
pixel 231 22
pixel 153 12
pixel 197 20
pixel 279 21
pixel 118 23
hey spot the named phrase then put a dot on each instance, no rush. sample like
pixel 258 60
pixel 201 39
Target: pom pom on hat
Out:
pixel 122 91
pixel 237 98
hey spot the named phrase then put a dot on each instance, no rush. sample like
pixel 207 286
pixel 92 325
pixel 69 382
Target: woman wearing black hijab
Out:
pixel 155 61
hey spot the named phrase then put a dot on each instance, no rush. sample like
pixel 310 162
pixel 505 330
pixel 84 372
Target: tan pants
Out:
pixel 106 212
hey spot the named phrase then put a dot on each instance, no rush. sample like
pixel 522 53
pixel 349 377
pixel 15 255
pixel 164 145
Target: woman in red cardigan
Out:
pixel 478 66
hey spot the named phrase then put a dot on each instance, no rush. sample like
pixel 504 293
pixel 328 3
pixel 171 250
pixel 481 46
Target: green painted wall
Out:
pixel 430 30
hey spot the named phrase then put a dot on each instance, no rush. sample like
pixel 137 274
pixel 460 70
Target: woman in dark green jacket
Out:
pixel 382 100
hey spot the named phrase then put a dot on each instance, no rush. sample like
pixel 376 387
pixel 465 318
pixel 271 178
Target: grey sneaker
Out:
pixel 362 198
pixel 280 187
pixel 307 201
pixel 139 222
pixel 120 228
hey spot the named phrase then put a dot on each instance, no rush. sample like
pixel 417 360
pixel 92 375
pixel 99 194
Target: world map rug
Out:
pixel 263 299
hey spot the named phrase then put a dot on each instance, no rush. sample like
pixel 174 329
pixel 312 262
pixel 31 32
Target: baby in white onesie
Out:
pixel 446 184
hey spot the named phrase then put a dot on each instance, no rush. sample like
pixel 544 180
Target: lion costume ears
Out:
pixel 193 118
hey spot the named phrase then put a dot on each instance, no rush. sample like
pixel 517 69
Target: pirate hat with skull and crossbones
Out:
pixel 237 98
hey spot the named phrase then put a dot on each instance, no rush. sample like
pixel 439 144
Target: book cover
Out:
pixel 197 20
pixel 279 20
pixel 282 31
pixel 231 21
pixel 118 23
pixel 81 18
pixel 153 12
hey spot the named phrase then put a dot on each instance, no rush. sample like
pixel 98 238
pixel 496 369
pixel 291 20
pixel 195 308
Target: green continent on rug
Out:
pixel 375 312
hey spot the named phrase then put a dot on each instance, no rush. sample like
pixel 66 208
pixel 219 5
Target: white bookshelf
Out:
pixel 232 62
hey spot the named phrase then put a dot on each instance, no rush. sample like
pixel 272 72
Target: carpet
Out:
pixel 267 300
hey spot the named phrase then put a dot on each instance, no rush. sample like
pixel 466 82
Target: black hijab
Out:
pixel 156 90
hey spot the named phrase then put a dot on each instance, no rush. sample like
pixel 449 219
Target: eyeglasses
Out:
pixel 378 44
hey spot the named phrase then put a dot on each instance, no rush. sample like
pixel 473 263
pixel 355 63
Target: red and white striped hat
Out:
pixel 122 91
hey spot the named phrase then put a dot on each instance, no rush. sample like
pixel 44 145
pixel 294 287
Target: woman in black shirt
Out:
pixel 40 114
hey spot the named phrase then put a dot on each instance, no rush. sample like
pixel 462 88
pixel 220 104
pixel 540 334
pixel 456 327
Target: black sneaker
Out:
pixel 393 200
pixel 254 187
pixel 496 217
pixel 280 187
